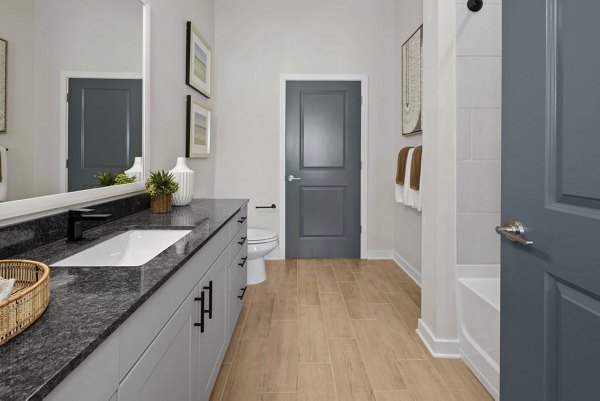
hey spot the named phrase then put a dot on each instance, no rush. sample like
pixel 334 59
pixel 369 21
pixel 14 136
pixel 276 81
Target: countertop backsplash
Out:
pixel 21 237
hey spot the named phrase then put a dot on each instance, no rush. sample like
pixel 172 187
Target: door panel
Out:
pixel 323 151
pixel 322 215
pixel 322 132
pixel 550 182
pixel 573 325
pixel 105 128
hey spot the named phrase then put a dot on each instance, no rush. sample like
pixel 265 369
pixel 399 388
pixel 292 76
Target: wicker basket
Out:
pixel 29 299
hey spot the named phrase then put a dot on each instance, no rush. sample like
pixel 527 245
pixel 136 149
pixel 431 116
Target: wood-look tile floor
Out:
pixel 336 330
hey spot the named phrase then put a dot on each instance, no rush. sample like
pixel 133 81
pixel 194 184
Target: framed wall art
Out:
pixel 198 129
pixel 199 61
pixel 412 84
pixel 3 79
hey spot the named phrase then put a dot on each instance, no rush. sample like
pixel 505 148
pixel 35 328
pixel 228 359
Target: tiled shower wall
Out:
pixel 478 102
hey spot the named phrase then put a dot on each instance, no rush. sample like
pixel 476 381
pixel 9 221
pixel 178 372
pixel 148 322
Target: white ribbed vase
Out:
pixel 185 178
pixel 137 170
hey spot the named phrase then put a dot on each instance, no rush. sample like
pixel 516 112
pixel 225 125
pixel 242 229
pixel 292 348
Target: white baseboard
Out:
pixel 413 273
pixel 438 347
pixel 480 376
pixel 400 261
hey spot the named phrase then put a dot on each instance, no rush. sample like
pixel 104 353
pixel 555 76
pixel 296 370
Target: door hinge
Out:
pixel 66 163
pixel 68 97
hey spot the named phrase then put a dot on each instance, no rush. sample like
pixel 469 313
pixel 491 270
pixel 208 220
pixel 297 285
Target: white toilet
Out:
pixel 261 242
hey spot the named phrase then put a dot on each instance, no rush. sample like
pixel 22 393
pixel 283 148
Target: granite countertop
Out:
pixel 87 304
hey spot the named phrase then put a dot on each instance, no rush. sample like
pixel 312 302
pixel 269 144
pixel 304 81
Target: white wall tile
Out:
pixel 479 82
pixel 463 134
pixel 479 34
pixel 478 243
pixel 478 186
pixel 486 134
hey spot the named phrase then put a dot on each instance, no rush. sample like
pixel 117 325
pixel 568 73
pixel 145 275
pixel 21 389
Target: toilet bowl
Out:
pixel 261 242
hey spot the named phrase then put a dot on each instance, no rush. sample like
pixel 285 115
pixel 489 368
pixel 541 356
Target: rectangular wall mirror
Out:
pixel 75 95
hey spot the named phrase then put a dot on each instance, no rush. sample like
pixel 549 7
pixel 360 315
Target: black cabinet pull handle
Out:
pixel 243 239
pixel 201 324
pixel 242 219
pixel 243 293
pixel 210 299
pixel 243 262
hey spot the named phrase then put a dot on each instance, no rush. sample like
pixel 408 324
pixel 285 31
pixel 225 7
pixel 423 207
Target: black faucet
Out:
pixel 76 218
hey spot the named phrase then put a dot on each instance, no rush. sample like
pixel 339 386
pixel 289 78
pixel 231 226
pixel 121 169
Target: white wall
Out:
pixel 259 40
pixel 478 94
pixel 76 35
pixel 438 323
pixel 169 90
pixel 16 27
pixel 407 221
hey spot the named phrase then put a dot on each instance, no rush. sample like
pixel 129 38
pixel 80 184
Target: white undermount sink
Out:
pixel 132 248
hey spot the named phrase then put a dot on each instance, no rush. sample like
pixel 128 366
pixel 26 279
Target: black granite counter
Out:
pixel 87 304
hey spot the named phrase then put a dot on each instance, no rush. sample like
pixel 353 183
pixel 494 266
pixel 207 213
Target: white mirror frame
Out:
pixel 27 209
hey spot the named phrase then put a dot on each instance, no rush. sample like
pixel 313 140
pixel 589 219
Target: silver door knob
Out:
pixel 514 231
pixel 291 178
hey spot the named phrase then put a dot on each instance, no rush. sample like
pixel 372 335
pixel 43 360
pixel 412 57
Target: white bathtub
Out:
pixel 479 316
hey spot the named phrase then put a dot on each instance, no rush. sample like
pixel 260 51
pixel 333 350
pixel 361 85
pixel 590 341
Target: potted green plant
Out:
pixel 107 179
pixel 161 186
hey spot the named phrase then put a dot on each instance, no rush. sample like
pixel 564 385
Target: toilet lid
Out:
pixel 260 235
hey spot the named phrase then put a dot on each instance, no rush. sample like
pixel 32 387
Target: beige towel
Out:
pixel 401 167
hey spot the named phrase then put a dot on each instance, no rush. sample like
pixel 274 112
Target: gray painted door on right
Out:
pixel 550 291
pixel 323 155
pixel 105 128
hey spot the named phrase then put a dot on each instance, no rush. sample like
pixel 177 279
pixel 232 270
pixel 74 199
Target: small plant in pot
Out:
pixel 161 186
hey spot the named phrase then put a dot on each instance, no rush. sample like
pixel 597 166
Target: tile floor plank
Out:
pixel 308 293
pixel 279 397
pixel 286 301
pixel 281 364
pixel 244 381
pixel 311 335
pixel 379 361
pixel 326 281
pixel 409 311
pixel 356 303
pixel 394 396
pixel 315 383
pixel 350 375
pixel 235 337
pixel 335 316
pixel 460 380
pixel 400 339
pixel 342 270
pixel 258 321
pixel 424 381
pixel 371 287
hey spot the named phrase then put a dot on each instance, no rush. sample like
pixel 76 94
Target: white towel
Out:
pixel 6 287
pixel 399 193
pixel 410 195
pixel 4 182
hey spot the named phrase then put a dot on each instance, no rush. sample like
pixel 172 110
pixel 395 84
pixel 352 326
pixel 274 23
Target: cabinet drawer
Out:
pixel 239 240
pixel 238 221
pixel 238 272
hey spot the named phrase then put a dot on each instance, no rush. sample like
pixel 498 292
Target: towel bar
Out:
pixel 273 206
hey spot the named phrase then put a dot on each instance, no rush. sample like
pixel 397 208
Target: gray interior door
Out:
pixel 550 308
pixel 323 169
pixel 105 128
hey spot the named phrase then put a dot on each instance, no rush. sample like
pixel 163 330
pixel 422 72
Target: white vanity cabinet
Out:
pixel 172 347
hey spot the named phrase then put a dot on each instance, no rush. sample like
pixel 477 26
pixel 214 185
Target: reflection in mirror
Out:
pixel 73 94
